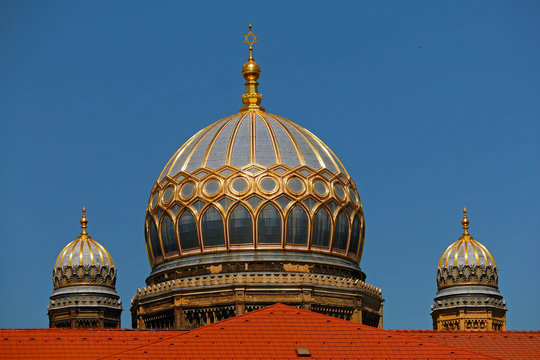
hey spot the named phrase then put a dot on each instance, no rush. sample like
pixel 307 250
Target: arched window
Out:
pixel 297 226
pixel 167 235
pixel 187 230
pixel 212 228
pixel 269 225
pixel 322 228
pixel 240 226
pixel 355 236
pixel 154 239
pixel 341 232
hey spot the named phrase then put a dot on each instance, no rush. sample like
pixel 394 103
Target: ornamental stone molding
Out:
pixel 84 274
pixel 467 274
pixel 238 279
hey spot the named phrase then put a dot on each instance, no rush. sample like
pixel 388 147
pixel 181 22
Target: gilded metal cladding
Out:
pixel 253 159
pixel 84 261
pixel 466 261
pixel 468 297
pixel 84 277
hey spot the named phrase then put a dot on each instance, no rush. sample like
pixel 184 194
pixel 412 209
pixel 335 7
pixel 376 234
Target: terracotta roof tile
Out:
pixel 275 332
pixel 511 345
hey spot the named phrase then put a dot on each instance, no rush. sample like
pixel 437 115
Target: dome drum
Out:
pixel 253 261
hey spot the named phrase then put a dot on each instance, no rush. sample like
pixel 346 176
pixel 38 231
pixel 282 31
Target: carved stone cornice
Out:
pixel 84 275
pixel 82 301
pixel 469 301
pixel 254 278
pixel 467 275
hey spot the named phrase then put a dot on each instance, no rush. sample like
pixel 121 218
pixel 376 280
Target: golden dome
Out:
pixel 84 261
pixel 466 251
pixel 466 262
pixel 253 181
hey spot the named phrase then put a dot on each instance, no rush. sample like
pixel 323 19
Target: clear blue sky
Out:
pixel 431 106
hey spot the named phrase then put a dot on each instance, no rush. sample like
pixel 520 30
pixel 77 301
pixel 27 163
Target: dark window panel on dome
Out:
pixel 198 205
pixel 297 226
pixel 154 239
pixel 240 226
pixel 168 236
pixel 355 237
pixel 254 201
pixel 176 209
pixel 269 225
pixel 225 202
pixel 341 232
pixel 212 228
pixel 283 201
pixel 322 228
pixel 187 231
pixel 310 203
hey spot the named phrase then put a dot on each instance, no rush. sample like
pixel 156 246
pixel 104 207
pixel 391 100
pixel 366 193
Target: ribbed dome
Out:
pixel 84 251
pixel 466 251
pixel 253 180
pixel 466 262
pixel 252 138
pixel 84 262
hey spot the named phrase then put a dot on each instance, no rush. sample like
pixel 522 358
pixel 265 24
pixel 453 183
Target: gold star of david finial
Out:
pixel 253 38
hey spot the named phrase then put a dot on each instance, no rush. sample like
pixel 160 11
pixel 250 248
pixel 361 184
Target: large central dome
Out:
pixel 253 180
pixel 252 210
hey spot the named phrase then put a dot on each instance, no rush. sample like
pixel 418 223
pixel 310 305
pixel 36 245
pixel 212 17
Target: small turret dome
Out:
pixel 468 296
pixel 84 278
pixel 84 261
pixel 466 262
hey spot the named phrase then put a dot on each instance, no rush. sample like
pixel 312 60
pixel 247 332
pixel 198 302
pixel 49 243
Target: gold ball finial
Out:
pixel 251 72
pixel 465 222
pixel 84 221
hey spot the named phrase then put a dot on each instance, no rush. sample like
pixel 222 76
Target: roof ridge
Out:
pixel 189 331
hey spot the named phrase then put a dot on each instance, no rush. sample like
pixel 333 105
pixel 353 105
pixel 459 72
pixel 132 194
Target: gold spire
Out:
pixel 465 222
pixel 84 221
pixel 251 72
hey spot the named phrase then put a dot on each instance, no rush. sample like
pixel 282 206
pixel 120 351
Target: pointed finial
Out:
pixel 465 222
pixel 251 72
pixel 84 221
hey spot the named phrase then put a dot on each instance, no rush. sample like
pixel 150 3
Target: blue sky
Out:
pixel 431 106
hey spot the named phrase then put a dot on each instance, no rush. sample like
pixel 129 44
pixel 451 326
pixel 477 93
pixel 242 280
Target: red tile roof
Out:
pixel 74 343
pixel 275 332
pixel 511 345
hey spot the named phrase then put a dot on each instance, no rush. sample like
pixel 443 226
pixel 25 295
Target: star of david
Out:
pixel 253 37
